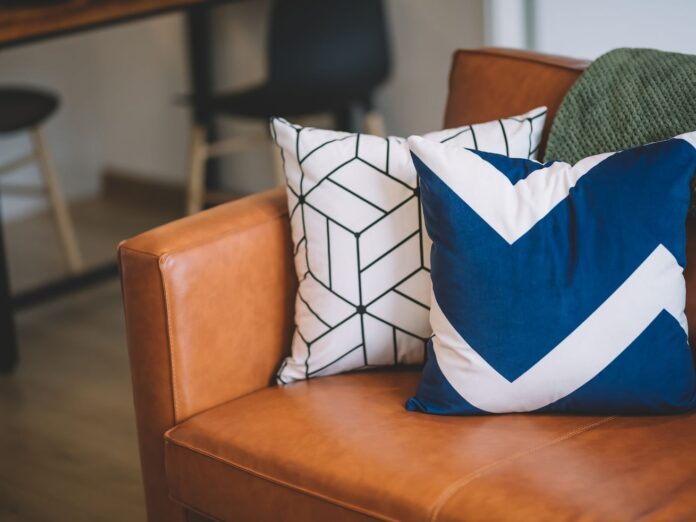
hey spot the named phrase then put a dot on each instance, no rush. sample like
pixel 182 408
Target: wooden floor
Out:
pixel 67 438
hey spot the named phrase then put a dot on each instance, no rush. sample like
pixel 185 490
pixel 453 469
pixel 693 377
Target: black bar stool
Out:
pixel 25 109
pixel 323 57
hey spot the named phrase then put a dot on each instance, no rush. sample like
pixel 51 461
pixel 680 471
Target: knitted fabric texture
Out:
pixel 626 98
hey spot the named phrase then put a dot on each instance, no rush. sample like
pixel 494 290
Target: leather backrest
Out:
pixel 490 83
pixel 487 84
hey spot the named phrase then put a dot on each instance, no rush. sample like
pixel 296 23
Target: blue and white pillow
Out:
pixel 557 287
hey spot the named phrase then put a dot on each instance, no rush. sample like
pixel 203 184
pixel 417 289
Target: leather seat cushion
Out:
pixel 344 448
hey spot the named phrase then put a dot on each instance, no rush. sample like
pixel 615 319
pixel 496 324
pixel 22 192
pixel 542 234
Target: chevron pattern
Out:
pixel 557 287
pixel 361 257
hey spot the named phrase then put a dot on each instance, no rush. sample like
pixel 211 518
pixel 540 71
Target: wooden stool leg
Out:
pixel 373 123
pixel 64 224
pixel 195 189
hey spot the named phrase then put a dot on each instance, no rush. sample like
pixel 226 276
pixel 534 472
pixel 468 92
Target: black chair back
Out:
pixel 339 46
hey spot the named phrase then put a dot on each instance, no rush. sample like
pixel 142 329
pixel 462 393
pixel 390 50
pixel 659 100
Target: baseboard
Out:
pixel 132 188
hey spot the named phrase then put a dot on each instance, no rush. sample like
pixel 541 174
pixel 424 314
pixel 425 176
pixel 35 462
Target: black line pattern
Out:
pixel 379 242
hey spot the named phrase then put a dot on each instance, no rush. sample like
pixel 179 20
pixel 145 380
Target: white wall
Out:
pixel 424 36
pixel 118 85
pixel 143 69
pixel 506 23
pixel 589 28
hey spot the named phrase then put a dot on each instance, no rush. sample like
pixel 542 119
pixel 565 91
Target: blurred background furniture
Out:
pixel 26 22
pixel 30 3
pixel 25 109
pixel 209 312
pixel 323 57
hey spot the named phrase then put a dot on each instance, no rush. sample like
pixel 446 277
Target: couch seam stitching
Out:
pixel 166 319
pixel 162 261
pixel 211 238
pixel 137 251
pixel 279 482
pixel 170 338
pixel 459 484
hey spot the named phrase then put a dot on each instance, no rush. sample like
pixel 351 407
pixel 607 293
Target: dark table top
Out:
pixel 37 20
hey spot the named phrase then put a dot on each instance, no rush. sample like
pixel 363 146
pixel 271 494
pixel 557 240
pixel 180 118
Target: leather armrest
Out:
pixel 209 311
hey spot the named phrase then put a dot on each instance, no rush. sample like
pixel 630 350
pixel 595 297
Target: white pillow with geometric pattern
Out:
pixel 361 251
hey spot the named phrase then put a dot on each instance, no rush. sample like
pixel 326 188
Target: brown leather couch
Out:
pixel 209 309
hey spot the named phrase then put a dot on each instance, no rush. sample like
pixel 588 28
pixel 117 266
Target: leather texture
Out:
pixel 487 84
pixel 340 444
pixel 209 307
pixel 627 468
